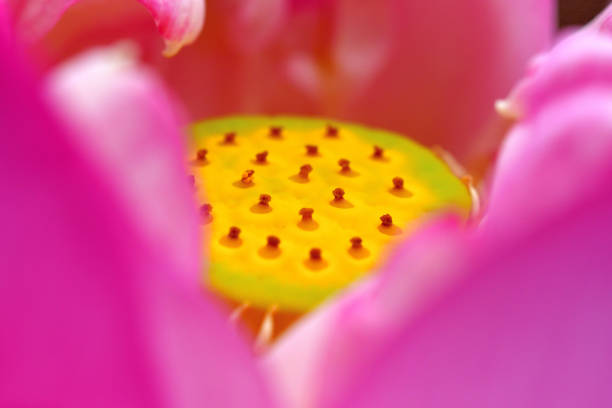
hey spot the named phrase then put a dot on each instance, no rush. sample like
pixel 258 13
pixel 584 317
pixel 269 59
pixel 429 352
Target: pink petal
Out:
pixel 529 326
pixel 561 142
pixel 100 309
pixel 178 21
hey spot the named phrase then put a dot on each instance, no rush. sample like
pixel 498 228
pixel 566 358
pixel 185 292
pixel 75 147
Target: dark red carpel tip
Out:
pixel 229 138
pixel 338 194
pixel 306 214
pixel 264 199
pixel 261 157
pixel 315 254
pixel 356 243
pixel 273 241
pixel 398 183
pixel 234 233
pixel 332 131
pixel 386 220
pixel 276 131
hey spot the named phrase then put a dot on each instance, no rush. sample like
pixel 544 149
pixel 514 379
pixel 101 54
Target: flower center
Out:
pixel 296 209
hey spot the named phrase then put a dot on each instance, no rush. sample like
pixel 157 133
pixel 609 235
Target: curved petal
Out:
pixel 528 326
pixel 562 135
pixel 99 309
pixel 179 22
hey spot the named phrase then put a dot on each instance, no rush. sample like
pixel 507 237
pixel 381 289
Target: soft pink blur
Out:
pixel 101 254
pixel 429 69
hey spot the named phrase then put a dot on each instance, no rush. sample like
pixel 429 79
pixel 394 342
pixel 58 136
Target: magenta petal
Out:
pixel 97 311
pixel 561 143
pixel 529 327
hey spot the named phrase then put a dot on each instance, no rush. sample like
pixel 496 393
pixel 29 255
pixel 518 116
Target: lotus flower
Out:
pixel 102 259
pixel 428 70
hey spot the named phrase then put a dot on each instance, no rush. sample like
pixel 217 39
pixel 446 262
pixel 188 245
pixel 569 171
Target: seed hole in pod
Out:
pixel 357 250
pixel 307 223
pixel 263 205
pixel 271 250
pixel 232 239
pixel 339 201
pixel 398 188
pixel 387 227
pixel 246 180
pixel 315 260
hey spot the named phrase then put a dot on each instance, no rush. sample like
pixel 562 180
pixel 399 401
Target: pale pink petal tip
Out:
pixel 179 22
pixel 128 125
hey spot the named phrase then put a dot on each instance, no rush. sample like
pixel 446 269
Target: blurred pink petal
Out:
pixel 529 326
pixel 562 139
pixel 178 21
pixel 431 70
pixel 99 308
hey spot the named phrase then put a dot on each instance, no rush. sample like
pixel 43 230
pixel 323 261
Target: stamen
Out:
pixel 345 166
pixel 378 153
pixel 238 311
pixel 332 131
pixel 261 158
pixel 201 155
pixel 229 138
pixel 266 330
pixel 312 150
pixel 276 132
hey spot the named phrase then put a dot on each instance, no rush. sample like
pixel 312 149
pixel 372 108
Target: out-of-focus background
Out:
pixel 576 12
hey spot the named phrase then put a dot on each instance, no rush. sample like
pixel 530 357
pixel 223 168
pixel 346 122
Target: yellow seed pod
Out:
pixel 295 209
